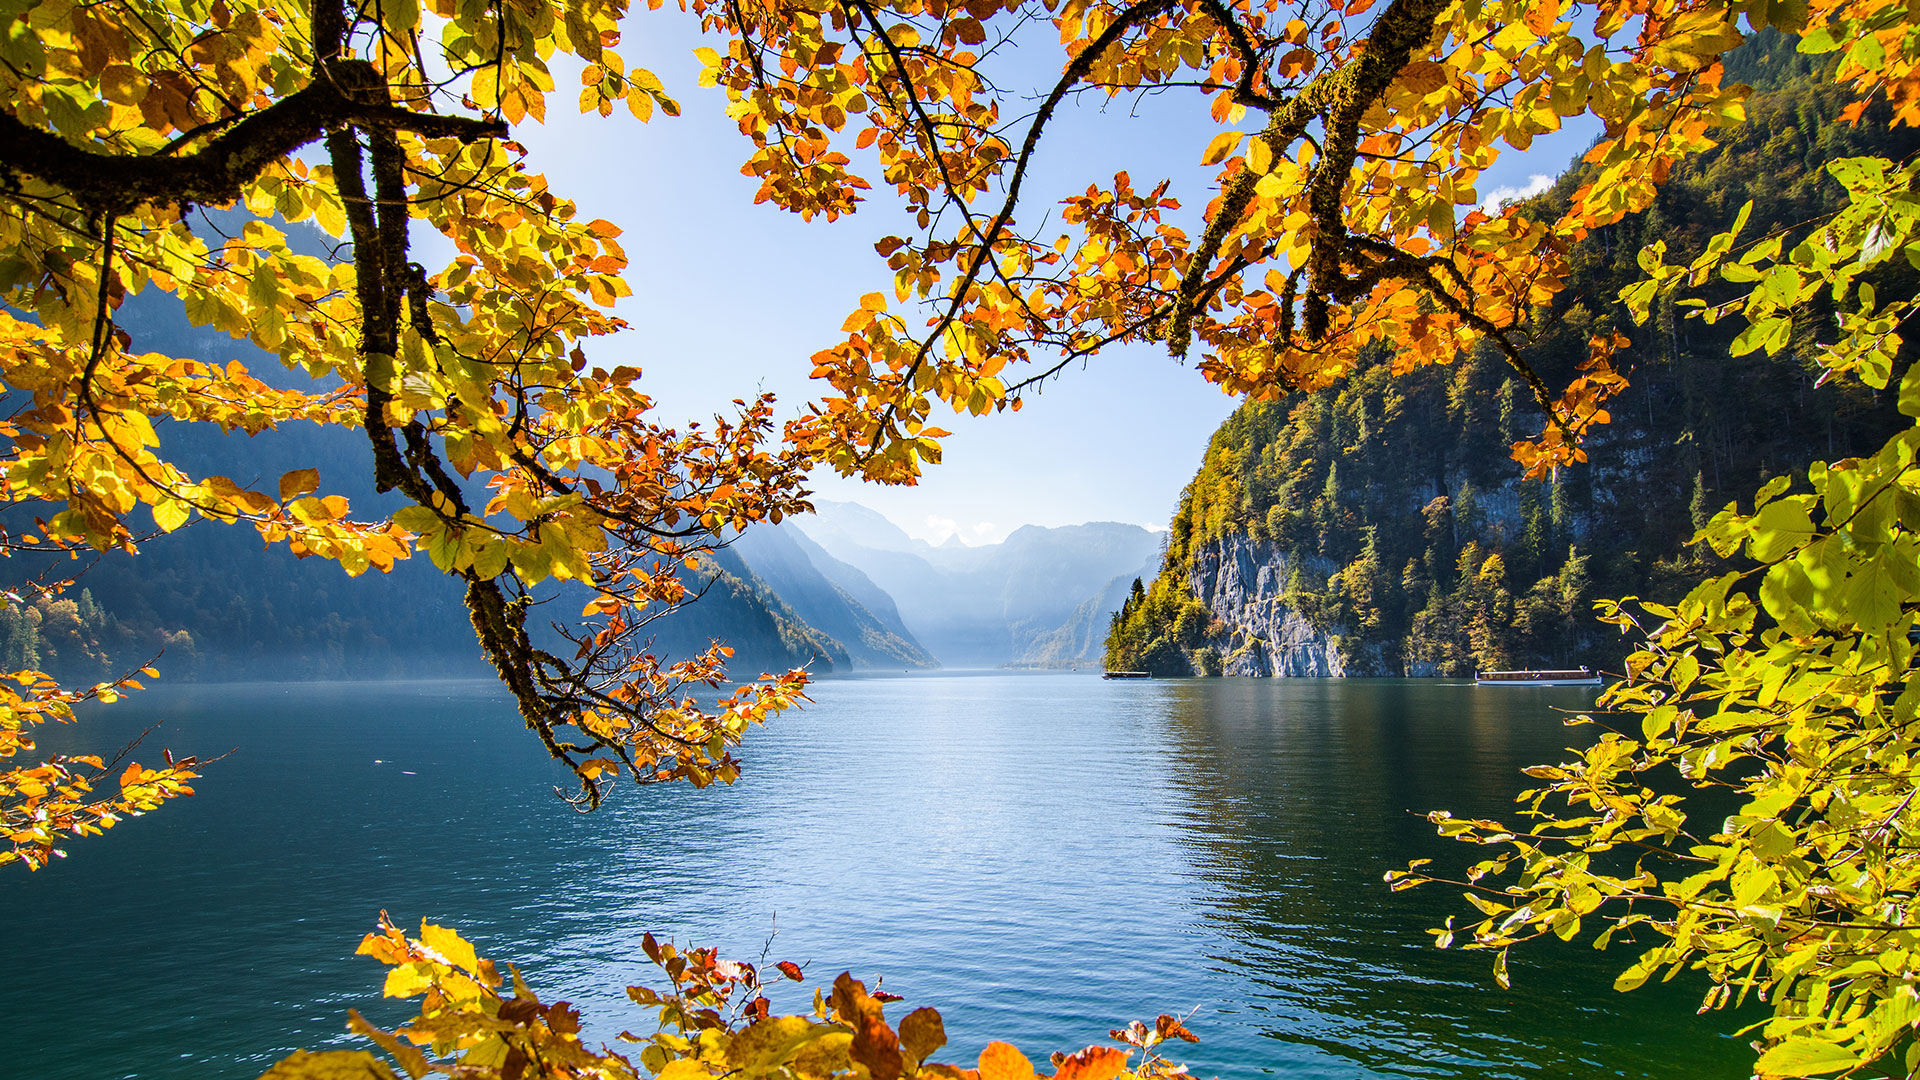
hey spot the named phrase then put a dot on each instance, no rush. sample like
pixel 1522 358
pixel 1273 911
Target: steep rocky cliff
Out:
pixel 1242 581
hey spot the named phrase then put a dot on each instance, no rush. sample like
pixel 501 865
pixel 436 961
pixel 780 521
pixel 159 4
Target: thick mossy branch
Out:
pixel 349 92
pixel 1338 98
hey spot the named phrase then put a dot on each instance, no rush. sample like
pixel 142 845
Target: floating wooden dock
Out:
pixel 1127 675
pixel 1565 677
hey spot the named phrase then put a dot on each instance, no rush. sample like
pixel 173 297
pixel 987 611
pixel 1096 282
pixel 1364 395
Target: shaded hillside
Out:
pixel 779 555
pixel 855 584
pixel 1380 528
pixel 1078 643
pixel 739 609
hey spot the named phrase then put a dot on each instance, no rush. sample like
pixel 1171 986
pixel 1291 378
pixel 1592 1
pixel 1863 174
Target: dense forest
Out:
pixel 1399 536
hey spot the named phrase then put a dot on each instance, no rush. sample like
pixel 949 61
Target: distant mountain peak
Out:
pixel 1041 597
pixel 851 523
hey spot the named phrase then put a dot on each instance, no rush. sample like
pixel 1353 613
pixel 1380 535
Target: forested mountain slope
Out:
pixel 1380 527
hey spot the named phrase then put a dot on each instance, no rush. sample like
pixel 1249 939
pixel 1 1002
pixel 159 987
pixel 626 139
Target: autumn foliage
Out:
pixel 713 1020
pixel 69 795
pixel 1348 141
pixel 524 467
pixel 1344 217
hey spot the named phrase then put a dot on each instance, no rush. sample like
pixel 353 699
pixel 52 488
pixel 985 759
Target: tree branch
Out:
pixel 348 93
pixel 1339 98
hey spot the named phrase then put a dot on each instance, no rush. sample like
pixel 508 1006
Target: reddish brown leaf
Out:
pixel 874 1043
pixel 790 969
pixel 563 1018
pixel 922 1032
pixel 1169 1027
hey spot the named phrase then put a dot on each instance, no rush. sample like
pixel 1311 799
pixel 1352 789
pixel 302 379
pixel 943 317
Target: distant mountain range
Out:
pixel 1040 598
pixel 223 606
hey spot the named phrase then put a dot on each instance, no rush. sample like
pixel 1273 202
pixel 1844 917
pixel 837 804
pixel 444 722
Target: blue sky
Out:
pixel 731 298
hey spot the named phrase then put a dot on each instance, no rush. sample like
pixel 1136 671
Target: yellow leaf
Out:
pixel 170 514
pixel 1222 147
pixel 772 1042
pixel 683 1068
pixel 330 1065
pixel 299 482
pixel 407 980
pixel 450 945
pixel 1802 1056
pixel 1259 156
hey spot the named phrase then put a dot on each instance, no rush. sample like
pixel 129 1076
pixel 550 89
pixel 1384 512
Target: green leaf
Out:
pixel 1773 333
pixel 1782 284
pixel 1803 1056
pixel 1870 599
pixel 1772 490
pixel 1740 220
pixel 1867 52
pixel 491 559
pixel 417 519
pixel 1882 236
pixel 1858 172
pixel 1819 40
pixel 1779 528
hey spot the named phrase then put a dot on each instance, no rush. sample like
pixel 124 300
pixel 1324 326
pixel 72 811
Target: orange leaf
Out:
pixel 1423 77
pixel 1222 147
pixel 874 1043
pixel 299 482
pixel 1541 15
pixel 1170 1027
pixel 1001 1061
pixel 1093 1063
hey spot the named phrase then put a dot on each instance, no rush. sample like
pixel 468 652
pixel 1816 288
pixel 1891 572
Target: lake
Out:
pixel 1039 856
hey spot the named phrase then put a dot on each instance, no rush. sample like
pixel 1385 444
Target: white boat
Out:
pixel 1572 677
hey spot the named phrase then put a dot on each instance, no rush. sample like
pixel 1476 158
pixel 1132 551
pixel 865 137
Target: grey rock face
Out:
pixel 1241 580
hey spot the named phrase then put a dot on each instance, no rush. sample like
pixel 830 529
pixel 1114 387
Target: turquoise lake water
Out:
pixel 1039 856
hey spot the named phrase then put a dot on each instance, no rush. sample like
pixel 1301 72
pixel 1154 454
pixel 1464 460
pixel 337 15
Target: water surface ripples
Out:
pixel 1041 857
